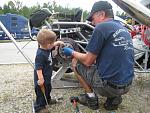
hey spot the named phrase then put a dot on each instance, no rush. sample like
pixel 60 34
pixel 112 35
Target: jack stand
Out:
pixel 58 83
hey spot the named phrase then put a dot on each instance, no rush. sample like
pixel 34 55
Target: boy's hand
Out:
pixel 40 82
pixel 59 43
pixel 67 51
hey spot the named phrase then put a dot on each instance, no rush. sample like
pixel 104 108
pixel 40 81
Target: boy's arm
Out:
pixel 40 77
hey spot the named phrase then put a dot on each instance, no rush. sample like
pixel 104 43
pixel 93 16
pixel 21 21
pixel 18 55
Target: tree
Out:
pixel 18 8
pixel 18 5
pixel 12 8
pixel 25 11
pixel 6 9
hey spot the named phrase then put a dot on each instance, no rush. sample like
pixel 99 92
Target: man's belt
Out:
pixel 118 86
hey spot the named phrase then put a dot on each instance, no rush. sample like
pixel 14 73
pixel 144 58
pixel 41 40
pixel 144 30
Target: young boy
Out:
pixel 43 67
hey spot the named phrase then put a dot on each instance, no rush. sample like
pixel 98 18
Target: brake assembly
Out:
pixel 59 59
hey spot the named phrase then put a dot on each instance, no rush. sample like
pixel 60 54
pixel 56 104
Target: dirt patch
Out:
pixel 17 93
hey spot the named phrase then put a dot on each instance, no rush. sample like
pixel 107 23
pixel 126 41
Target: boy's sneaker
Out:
pixel 44 110
pixel 90 102
pixel 38 108
pixel 112 103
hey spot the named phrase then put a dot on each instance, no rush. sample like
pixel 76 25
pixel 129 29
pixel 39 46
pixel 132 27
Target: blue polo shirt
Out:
pixel 43 61
pixel 112 44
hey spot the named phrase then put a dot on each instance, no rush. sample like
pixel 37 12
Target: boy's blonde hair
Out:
pixel 46 36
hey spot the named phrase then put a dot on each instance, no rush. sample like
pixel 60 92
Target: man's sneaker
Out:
pixel 52 101
pixel 90 102
pixel 110 106
pixel 112 103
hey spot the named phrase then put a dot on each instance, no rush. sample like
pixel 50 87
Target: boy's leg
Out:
pixel 40 101
pixel 48 89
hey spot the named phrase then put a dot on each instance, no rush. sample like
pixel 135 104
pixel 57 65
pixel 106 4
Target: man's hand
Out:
pixel 67 51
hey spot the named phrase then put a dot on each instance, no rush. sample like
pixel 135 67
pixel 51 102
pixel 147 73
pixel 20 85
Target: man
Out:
pixel 107 66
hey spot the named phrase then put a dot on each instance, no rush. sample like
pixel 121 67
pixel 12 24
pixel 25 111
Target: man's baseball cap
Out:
pixel 99 6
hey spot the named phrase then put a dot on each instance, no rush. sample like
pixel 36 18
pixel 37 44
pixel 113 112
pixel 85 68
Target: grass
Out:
pixel 17 92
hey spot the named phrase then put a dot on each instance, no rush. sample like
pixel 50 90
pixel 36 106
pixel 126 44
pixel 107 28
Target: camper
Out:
pixel 17 25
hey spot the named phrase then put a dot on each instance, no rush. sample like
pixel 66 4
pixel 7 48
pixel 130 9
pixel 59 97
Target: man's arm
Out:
pixel 86 58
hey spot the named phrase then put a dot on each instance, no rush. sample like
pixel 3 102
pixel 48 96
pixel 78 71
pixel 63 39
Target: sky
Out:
pixel 84 4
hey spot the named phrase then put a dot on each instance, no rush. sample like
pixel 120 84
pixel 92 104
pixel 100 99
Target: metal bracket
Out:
pixel 70 30
pixel 57 83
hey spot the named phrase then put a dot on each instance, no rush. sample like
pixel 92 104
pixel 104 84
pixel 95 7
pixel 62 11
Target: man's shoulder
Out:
pixel 112 24
pixel 109 22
